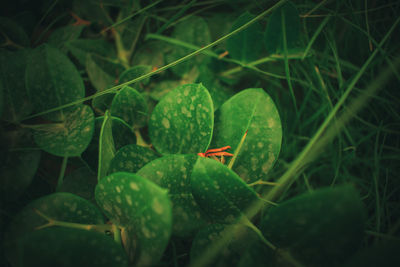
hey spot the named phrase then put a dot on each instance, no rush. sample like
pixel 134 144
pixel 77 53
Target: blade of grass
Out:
pixel 175 16
pixel 305 156
pixel 130 16
pixel 287 69
pixel 163 68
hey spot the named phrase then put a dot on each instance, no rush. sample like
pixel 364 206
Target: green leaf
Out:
pixel 273 36
pixel 17 172
pixel 254 111
pixel 80 182
pixel 13 33
pixel 320 227
pixel 52 80
pixel 129 105
pixel 138 204
pixel 246 45
pixel 70 247
pixel 17 104
pixel 219 191
pixel 70 137
pixel 122 136
pixel 135 72
pixel 58 206
pixel 194 31
pixel 106 146
pixel 103 102
pixel 61 36
pixel 162 88
pixel 239 239
pixel 173 173
pixel 182 121
pixel 150 54
pixel 102 72
pixel 218 92
pixel 80 48
pixel 131 158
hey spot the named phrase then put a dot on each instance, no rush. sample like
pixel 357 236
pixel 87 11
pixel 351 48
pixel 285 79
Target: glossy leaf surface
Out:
pixel 71 136
pixel 52 80
pixel 173 173
pixel 220 193
pixel 131 158
pixel 254 111
pixel 129 105
pixel 182 121
pixel 132 201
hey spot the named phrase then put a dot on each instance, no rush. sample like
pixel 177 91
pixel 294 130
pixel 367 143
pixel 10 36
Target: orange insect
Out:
pixel 217 152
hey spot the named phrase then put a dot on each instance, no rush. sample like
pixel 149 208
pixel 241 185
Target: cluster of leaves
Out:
pixel 131 187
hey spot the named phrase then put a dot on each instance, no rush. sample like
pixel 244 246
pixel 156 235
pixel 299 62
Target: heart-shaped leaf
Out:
pixel 16 101
pixel 70 137
pixel 246 45
pixel 70 247
pixel 220 192
pixel 132 201
pixel 324 226
pixel 52 80
pixel 193 31
pixel 238 240
pixel 283 18
pixel 173 173
pixel 182 121
pixel 131 158
pixel 106 146
pixel 251 110
pixel 58 206
pixel 129 105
